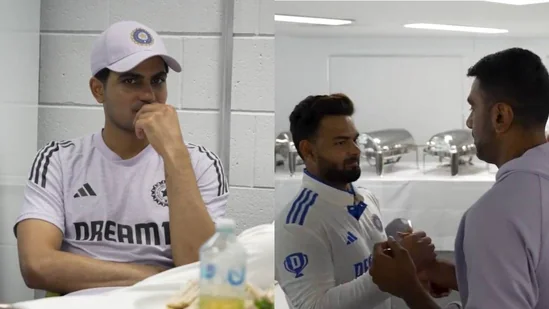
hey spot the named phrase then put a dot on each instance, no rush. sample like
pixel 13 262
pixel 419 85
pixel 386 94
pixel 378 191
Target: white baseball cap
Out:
pixel 126 44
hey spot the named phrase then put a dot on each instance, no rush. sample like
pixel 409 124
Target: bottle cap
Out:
pixel 225 224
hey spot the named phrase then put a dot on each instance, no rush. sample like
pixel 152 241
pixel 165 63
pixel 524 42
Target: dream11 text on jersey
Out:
pixel 112 231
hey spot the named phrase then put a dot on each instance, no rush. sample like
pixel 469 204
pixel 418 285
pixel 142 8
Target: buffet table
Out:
pixel 430 197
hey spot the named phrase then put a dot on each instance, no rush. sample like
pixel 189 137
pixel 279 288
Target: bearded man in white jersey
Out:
pixel 324 237
pixel 96 211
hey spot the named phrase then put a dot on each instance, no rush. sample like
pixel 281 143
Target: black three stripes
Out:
pixel 85 190
pixel 222 187
pixel 41 162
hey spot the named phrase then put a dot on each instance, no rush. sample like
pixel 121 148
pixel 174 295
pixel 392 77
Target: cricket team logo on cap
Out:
pixel 142 37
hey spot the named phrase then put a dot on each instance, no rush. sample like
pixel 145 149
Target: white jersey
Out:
pixel 323 243
pixel 109 208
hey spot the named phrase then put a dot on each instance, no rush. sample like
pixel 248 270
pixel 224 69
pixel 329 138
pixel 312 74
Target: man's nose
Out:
pixel 147 94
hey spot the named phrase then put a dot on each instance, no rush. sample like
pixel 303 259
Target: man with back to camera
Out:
pixel 96 211
pixel 502 253
pixel 324 236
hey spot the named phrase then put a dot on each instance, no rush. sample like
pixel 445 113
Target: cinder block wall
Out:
pixel 20 26
pixel 192 33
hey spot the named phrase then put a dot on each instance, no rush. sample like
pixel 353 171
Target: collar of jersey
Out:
pixel 99 143
pixel 328 193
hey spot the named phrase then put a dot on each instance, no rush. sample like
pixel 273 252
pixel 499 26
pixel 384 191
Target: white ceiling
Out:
pixel 386 18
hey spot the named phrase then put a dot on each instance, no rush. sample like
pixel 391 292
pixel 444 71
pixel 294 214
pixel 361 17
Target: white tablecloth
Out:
pixel 432 199
pixel 156 291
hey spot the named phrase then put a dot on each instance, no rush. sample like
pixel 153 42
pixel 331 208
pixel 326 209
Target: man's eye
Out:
pixel 159 80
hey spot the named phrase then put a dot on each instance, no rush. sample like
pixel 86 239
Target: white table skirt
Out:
pixel 432 199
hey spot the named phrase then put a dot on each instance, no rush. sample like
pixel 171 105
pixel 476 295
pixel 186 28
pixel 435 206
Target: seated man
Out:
pixel 325 235
pixel 96 211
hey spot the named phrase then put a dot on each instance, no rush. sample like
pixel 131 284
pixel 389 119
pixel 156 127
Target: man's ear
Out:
pixel 98 90
pixel 502 117
pixel 306 149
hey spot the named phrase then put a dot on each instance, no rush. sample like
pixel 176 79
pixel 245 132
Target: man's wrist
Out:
pixel 443 274
pixel 416 297
pixel 176 154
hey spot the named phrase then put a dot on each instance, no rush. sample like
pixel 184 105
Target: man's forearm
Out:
pixel 63 272
pixel 190 222
pixel 443 273
pixel 358 293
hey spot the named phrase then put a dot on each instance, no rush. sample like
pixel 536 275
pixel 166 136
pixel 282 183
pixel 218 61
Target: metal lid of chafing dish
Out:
pixel 284 138
pixel 284 142
pixel 459 140
pixel 390 137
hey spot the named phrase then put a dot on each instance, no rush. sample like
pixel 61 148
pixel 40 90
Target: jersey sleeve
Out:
pixel 43 194
pixel 212 182
pixel 305 272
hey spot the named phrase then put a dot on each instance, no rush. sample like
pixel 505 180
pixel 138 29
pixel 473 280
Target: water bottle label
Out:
pixel 236 277
pixel 208 271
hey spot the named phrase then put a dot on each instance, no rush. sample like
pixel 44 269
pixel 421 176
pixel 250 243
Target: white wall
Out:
pixel 192 33
pixel 19 28
pixel 419 84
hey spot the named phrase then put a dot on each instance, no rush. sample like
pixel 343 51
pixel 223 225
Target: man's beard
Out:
pixel 486 147
pixel 124 126
pixel 334 175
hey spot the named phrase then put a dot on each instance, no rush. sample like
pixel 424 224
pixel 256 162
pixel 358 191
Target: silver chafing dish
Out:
pixel 386 147
pixel 456 145
pixel 285 151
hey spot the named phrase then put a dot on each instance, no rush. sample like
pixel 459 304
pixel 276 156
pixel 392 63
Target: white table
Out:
pixel 431 198
pixel 154 292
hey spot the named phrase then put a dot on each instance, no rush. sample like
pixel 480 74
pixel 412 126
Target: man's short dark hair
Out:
pixel 518 77
pixel 103 75
pixel 307 115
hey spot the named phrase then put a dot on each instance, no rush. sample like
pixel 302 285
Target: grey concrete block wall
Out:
pixel 58 81
pixel 19 25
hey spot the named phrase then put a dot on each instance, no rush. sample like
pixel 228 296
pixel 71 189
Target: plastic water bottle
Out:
pixel 223 269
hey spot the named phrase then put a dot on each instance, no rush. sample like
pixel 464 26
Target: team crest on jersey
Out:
pixel 377 223
pixel 159 193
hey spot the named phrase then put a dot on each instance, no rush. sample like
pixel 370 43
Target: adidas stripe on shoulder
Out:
pixel 39 169
pixel 222 187
pixel 300 207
